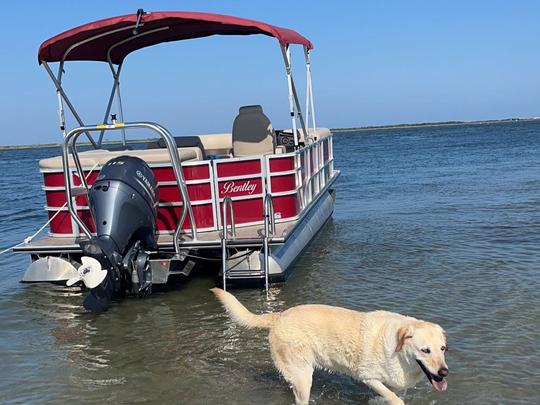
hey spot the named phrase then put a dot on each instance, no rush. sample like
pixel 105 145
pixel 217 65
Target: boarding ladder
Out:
pixel 227 202
pixel 269 231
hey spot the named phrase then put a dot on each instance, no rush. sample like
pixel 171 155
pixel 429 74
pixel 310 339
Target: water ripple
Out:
pixel 438 223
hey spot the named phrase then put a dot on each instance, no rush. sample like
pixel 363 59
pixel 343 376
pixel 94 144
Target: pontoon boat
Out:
pixel 123 220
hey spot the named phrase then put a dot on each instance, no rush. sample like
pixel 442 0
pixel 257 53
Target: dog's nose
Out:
pixel 443 372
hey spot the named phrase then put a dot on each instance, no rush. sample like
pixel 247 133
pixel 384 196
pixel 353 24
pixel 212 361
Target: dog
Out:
pixel 384 350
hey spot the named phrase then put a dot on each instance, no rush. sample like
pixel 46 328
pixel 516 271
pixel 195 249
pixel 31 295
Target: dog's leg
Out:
pixel 384 392
pixel 300 379
pixel 296 371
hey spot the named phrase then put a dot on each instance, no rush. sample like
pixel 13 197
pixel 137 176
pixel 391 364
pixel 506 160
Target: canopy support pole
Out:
pixel 108 110
pixel 121 113
pixel 310 107
pixel 62 97
pixel 294 103
pixel 114 91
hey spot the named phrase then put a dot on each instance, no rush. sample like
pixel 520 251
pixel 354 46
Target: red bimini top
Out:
pixel 121 35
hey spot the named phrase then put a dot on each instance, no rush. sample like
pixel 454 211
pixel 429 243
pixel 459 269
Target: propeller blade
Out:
pixel 73 280
pixel 90 273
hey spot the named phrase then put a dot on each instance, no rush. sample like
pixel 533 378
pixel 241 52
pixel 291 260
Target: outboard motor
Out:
pixel 123 202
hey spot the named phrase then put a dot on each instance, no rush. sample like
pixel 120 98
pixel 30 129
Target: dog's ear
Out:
pixel 403 333
pixel 445 339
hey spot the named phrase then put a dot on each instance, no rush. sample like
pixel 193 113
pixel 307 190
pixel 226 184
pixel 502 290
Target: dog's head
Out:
pixel 426 343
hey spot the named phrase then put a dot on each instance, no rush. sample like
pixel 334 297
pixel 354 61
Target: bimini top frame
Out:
pixel 112 39
pixel 103 40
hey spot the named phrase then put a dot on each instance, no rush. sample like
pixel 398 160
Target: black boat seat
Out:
pixel 183 142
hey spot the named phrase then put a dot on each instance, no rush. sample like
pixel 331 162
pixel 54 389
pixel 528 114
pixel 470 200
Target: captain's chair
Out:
pixel 252 132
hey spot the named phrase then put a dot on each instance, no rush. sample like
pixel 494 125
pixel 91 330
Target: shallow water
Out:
pixel 438 223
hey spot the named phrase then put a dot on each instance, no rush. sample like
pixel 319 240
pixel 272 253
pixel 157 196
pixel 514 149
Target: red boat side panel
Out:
pixel 286 206
pixel 169 194
pixel 90 178
pixel 82 200
pixel 196 192
pixel 238 168
pixel 164 174
pixel 87 220
pixel 195 172
pixel 55 198
pixel 204 215
pixel 53 179
pixel 61 223
pixel 281 164
pixel 167 217
pixel 283 183
pixel 198 172
pixel 246 210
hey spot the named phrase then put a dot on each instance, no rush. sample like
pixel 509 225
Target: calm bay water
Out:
pixel 438 223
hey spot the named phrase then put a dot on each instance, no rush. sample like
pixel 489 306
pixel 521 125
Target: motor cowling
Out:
pixel 123 202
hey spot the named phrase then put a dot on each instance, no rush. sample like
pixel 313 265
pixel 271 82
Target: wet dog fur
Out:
pixel 386 351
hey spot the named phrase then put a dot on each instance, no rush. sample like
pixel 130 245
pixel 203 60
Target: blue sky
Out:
pixel 375 62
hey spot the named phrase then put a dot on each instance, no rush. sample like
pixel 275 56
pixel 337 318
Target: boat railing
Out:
pixel 269 228
pixel 70 141
pixel 227 203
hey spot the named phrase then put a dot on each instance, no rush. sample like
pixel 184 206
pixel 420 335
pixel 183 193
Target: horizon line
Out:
pixel 337 130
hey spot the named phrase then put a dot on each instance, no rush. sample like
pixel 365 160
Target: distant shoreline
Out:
pixel 59 145
pixel 335 130
pixel 435 124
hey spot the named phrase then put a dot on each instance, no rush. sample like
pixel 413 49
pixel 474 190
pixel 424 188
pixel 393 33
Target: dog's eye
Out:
pixel 427 351
pixel 443 348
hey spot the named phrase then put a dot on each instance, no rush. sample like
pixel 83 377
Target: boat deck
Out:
pixel 246 236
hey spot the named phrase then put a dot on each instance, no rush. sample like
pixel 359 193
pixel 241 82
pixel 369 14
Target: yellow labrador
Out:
pixel 384 350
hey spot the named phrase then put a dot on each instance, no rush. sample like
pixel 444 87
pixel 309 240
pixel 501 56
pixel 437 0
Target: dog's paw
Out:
pixel 385 401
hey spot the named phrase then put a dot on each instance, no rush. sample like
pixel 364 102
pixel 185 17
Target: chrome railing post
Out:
pixel 269 225
pixel 74 133
pixel 177 168
pixel 227 202
pixel 224 253
pixel 71 140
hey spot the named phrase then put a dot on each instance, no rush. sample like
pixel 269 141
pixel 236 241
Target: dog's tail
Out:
pixel 241 315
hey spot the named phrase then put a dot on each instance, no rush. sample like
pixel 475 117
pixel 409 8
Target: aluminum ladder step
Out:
pixel 244 274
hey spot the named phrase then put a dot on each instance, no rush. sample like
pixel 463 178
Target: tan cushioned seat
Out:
pixel 216 141
pixel 252 132
pixel 100 157
pixel 217 144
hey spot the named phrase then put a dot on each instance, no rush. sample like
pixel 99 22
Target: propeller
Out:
pixel 90 273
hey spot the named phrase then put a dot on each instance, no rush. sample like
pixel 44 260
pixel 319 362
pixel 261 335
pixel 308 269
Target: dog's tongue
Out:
pixel 440 385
